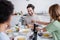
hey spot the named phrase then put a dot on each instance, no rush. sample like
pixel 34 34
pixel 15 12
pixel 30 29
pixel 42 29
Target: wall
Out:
pixel 40 5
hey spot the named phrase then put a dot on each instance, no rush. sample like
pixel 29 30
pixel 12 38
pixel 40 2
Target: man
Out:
pixel 32 18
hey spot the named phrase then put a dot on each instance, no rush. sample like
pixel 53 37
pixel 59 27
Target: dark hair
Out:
pixel 53 11
pixel 6 9
pixel 30 5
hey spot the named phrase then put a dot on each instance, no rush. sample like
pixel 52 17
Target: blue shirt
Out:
pixel 3 36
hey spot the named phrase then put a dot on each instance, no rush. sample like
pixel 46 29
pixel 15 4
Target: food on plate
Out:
pixel 25 30
pixel 9 31
pixel 46 35
pixel 21 38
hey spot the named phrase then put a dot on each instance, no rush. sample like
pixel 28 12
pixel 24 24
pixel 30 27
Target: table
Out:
pixel 40 38
pixel 27 36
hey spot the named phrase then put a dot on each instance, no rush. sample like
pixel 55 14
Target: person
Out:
pixel 54 26
pixel 32 17
pixel 6 11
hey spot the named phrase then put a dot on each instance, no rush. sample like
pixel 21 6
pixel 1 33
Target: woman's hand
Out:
pixel 39 29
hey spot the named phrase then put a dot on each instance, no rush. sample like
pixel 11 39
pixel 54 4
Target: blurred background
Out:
pixel 41 8
pixel 40 5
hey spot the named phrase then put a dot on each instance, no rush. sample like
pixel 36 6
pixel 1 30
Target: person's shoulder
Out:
pixel 3 36
pixel 35 16
pixel 56 22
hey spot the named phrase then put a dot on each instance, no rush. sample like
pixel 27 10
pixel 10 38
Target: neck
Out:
pixel 3 27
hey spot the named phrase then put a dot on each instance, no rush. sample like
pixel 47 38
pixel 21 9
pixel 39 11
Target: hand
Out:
pixel 44 29
pixel 38 29
pixel 30 26
pixel 32 21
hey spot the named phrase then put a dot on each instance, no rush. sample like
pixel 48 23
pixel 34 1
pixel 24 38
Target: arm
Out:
pixel 40 22
pixel 44 23
pixel 38 29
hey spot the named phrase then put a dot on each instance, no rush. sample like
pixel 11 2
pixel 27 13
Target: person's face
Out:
pixel 30 11
pixel 8 22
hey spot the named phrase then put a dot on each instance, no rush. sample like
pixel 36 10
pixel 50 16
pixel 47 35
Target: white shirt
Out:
pixel 3 36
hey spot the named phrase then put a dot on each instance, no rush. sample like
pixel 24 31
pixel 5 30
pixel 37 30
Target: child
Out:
pixel 6 10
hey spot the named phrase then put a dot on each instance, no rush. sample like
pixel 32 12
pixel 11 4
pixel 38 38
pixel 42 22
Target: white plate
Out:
pixel 50 36
pixel 24 30
pixel 19 37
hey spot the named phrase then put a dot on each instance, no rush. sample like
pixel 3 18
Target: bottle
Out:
pixel 17 28
pixel 35 32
